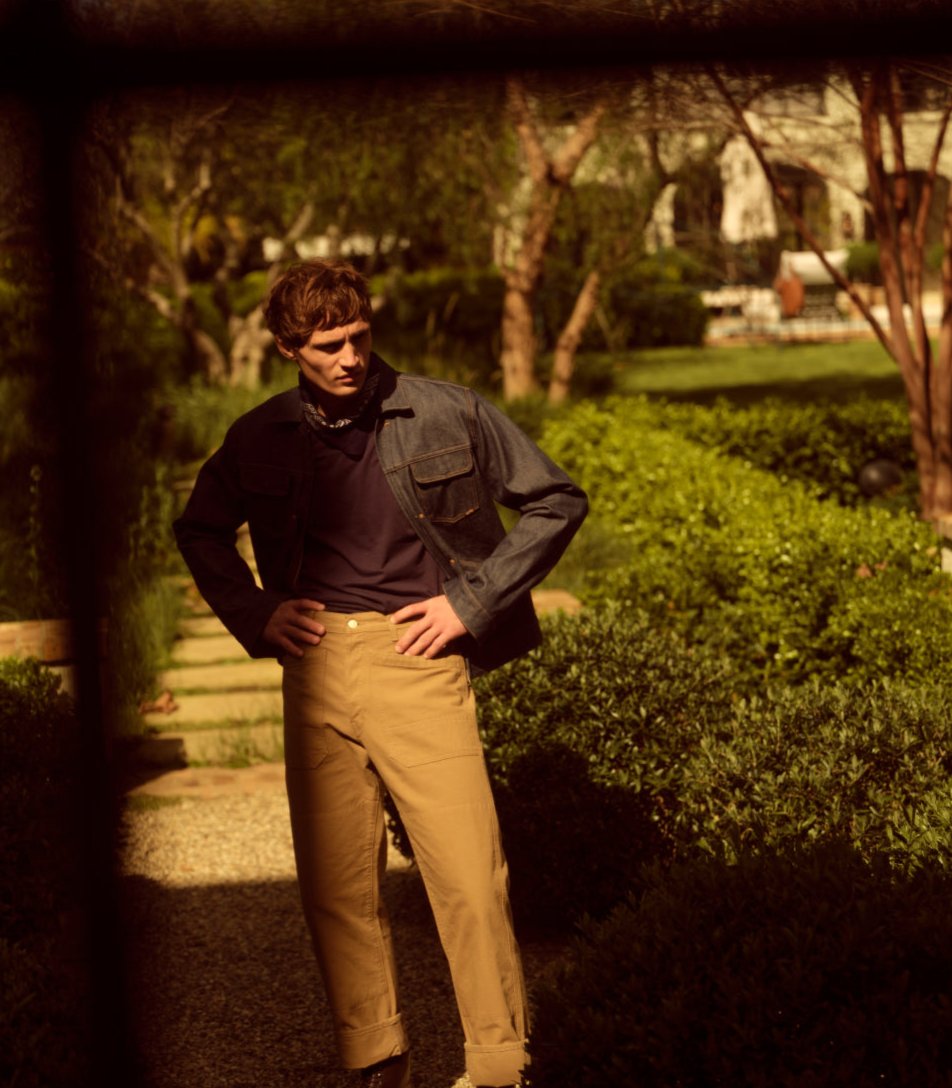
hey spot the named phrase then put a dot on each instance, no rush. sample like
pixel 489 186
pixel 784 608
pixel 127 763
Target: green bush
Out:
pixel 141 621
pixel 815 968
pixel 661 316
pixel 201 414
pixel 862 263
pixel 754 567
pixel 817 764
pixel 579 738
pixel 42 1028
pixel 443 320
pixel 615 725
pixel 823 444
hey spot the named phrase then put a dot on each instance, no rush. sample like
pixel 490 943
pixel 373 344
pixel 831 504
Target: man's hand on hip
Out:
pixel 438 625
pixel 289 626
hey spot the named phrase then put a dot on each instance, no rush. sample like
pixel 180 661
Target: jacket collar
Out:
pixel 393 397
pixel 286 406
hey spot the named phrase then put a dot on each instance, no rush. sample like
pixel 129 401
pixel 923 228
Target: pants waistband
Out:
pixel 350 621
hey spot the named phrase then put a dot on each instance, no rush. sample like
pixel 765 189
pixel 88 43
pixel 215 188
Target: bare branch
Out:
pixel 294 233
pixel 159 252
pixel 570 154
pixel 193 199
pixel 526 129
pixel 784 197
pixel 813 168
pixel 928 185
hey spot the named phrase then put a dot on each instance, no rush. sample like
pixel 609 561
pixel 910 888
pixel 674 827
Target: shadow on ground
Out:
pixel 225 991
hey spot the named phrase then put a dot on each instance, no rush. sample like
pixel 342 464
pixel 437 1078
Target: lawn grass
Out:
pixel 746 374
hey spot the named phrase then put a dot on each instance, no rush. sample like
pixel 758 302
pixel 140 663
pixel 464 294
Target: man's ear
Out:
pixel 287 352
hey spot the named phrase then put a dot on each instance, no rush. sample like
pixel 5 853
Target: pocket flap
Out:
pixel 265 479
pixel 443 466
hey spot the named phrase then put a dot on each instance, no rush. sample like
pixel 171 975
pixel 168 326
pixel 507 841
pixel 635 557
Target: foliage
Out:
pixel 579 736
pixel 42 1028
pixel 615 724
pixel 142 617
pixel 201 414
pixel 661 317
pixel 862 263
pixel 823 444
pixel 741 561
pixel 651 301
pixel 444 313
pixel 817 967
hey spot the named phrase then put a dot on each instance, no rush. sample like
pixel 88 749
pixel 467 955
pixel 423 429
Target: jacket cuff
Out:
pixel 474 617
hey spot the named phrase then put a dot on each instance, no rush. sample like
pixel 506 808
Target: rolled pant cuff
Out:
pixel 366 1046
pixel 496 1065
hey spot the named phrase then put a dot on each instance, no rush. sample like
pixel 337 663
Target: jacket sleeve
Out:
pixel 551 508
pixel 206 535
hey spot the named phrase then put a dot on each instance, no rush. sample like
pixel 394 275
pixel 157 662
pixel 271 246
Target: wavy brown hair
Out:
pixel 317 294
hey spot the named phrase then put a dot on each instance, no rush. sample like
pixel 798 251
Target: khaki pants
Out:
pixel 360 718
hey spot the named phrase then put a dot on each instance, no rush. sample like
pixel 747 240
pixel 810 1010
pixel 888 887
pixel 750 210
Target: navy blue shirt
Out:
pixel 360 553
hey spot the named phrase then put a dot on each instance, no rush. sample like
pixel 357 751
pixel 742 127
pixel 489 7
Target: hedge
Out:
pixel 42 1022
pixel 817 967
pixel 823 445
pixel 753 566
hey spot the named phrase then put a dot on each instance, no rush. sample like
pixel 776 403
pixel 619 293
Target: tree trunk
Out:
pixel 249 343
pixel 940 501
pixel 927 379
pixel 551 176
pixel 563 365
pixel 517 357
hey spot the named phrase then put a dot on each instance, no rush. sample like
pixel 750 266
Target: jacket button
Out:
pixel 421 515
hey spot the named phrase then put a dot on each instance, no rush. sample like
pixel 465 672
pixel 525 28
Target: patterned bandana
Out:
pixel 320 422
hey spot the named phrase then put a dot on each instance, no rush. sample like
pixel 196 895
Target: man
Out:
pixel 387 581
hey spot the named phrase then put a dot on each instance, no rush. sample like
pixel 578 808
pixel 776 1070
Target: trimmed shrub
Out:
pixel 754 567
pixel 822 445
pixel 663 316
pixel 443 318
pixel 579 738
pixel 815 968
pixel 862 263
pixel 817 764
pixel 42 1022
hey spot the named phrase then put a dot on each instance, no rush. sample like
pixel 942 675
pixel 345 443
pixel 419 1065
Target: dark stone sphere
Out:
pixel 879 477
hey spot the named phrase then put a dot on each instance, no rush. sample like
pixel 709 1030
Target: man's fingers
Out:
pixel 408 612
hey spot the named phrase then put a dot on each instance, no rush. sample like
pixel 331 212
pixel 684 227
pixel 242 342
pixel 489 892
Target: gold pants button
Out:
pixel 352 624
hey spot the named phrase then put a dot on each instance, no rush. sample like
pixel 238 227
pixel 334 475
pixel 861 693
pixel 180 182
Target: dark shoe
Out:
pixel 391 1073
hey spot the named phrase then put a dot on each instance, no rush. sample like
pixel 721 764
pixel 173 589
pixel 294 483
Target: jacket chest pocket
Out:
pixel 444 485
pixel 267 493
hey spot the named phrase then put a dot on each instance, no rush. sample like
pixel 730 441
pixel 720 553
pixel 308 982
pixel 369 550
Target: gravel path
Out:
pixel 227 994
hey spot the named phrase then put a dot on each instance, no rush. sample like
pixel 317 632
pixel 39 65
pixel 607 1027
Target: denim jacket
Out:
pixel 449 456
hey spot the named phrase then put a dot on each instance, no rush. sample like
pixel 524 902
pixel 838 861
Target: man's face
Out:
pixel 334 360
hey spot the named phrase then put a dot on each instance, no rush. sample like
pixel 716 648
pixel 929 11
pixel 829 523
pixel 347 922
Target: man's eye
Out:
pixel 330 348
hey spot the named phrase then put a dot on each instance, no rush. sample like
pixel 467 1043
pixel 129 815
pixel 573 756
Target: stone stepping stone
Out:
pixel 207 650
pixel 242 676
pixel 201 626
pixel 218 708
pixel 262 743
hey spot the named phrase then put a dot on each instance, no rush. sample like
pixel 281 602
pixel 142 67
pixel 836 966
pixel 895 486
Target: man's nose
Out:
pixel 350 355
